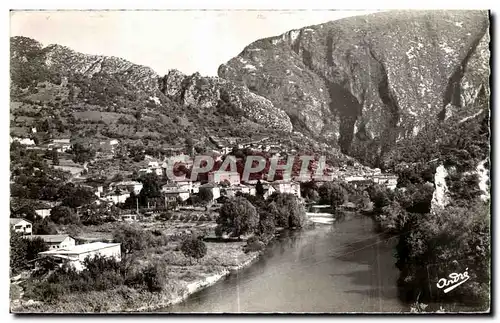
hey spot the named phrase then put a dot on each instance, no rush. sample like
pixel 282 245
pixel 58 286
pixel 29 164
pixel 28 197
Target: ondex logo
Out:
pixel 253 164
pixel 454 281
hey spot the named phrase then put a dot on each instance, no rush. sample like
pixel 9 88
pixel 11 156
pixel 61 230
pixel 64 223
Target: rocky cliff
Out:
pixel 368 81
pixel 200 92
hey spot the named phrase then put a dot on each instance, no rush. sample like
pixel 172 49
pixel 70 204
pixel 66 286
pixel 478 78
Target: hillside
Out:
pixel 362 85
pixel 61 93
pixel 368 81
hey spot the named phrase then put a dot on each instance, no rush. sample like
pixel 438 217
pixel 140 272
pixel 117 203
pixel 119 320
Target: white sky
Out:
pixel 189 41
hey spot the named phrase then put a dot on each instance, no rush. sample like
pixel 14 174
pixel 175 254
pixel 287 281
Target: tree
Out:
pixel 237 217
pixel 154 277
pixel 267 226
pixel 45 226
pixel 337 196
pixel 78 196
pixel 130 238
pixel 23 250
pixel 205 194
pixel 35 246
pixel 259 188
pixel 453 239
pixel 63 215
pixel 55 157
pixel 81 154
pixel 194 248
pixel 18 250
pixel 380 195
pixel 287 211
pixel 150 190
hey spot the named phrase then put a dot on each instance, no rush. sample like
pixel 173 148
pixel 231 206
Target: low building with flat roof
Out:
pixel 76 255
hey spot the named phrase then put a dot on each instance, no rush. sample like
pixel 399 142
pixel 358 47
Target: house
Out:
pixel 188 185
pixel 389 180
pixel 61 145
pixel 76 255
pixel 153 164
pixel 23 141
pixel 128 186
pixel 117 196
pixel 144 171
pixel 56 241
pixel 289 187
pixel 268 190
pixel 129 217
pixel 233 178
pixel 43 213
pixel 21 225
pixel 231 191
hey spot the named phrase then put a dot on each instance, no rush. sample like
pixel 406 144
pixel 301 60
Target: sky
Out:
pixel 190 41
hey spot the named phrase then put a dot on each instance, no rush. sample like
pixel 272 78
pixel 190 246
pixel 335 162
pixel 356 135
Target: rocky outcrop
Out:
pixel 440 197
pixel 483 176
pixel 200 92
pixel 66 61
pixel 368 80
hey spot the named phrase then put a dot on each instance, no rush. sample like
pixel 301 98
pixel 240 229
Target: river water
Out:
pixel 340 267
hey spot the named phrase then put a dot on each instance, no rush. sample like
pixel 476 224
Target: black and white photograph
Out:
pixel 250 161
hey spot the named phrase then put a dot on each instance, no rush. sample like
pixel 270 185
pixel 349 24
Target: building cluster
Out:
pixel 65 248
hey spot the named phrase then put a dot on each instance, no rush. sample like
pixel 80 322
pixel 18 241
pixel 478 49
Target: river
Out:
pixel 339 267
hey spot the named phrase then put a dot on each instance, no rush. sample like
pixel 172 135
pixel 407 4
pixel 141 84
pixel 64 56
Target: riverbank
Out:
pixel 184 278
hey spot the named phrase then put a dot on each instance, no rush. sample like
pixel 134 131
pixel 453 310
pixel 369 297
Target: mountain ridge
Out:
pixel 382 76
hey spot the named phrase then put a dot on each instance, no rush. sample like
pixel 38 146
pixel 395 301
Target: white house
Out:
pixel 43 213
pixel 24 141
pixel 287 187
pixel 61 145
pixel 232 190
pixel 21 225
pixel 389 180
pixel 117 196
pixel 77 254
pixel 56 241
pixel 127 186
pixel 233 178
pixel 153 164
pixel 172 191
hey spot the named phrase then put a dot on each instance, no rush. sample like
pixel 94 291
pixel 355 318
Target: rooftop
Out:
pixel 80 249
pixel 51 237
pixel 14 221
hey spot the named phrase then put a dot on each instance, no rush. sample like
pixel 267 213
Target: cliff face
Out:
pixel 366 81
pixel 200 92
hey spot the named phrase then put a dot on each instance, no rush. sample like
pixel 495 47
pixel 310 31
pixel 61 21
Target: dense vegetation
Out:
pixel 455 238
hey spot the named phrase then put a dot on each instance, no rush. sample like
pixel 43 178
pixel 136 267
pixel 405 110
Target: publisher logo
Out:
pixel 453 281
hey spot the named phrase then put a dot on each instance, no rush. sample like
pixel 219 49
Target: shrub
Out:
pixel 254 244
pixel 154 277
pixel 63 215
pixel 237 216
pixel 194 248
pixel 435 245
pixel 287 211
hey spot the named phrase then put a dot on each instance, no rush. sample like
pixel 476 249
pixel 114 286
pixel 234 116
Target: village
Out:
pixel 177 196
